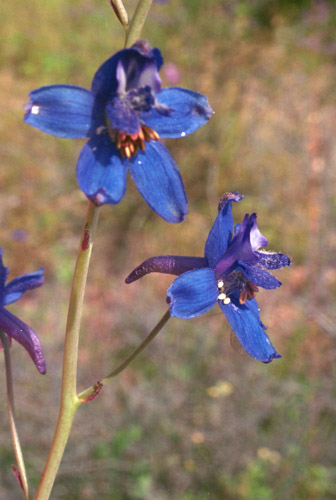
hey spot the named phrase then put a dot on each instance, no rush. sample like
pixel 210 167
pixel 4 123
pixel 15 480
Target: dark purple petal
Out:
pixel 129 68
pixel 158 179
pixel 257 240
pixel 167 264
pixel 221 232
pixel 22 333
pixel 273 260
pixel 101 172
pixel 139 67
pixel 15 288
pixel 259 276
pixel 193 293
pixel 180 112
pixel 62 110
pixel 246 325
pixel 239 248
pixel 122 117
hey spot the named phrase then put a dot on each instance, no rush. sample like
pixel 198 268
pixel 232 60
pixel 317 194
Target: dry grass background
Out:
pixel 193 418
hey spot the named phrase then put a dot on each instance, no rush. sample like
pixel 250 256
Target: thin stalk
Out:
pixel 11 415
pixel 69 401
pixel 120 12
pixel 87 393
pixel 134 30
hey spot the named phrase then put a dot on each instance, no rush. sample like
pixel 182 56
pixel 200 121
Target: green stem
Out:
pixel 87 393
pixel 69 400
pixel 11 415
pixel 138 20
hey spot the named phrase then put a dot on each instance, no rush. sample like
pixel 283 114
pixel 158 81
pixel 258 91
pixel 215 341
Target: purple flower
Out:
pixel 13 326
pixel 124 115
pixel 230 273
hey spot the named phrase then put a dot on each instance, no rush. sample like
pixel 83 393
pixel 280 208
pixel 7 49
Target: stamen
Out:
pixel 243 296
pixel 251 290
pixel 220 284
pixel 227 301
pixel 141 135
pixel 248 293
pixel 221 296
pixel 129 144
pixel 127 152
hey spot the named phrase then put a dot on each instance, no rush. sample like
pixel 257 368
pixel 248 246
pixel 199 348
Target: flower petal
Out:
pixel 137 67
pixel 257 275
pixel 240 248
pixel 167 264
pixel 101 172
pixel 221 232
pixel 179 112
pixel 130 73
pixel 247 326
pixel 193 293
pixel 15 288
pixel 22 333
pixel 256 238
pixel 158 179
pixel 273 260
pixel 63 111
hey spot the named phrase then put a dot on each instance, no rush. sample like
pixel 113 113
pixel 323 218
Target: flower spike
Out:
pixel 230 273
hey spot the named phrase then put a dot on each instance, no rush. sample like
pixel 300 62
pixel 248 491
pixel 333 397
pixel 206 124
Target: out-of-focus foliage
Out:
pixel 193 417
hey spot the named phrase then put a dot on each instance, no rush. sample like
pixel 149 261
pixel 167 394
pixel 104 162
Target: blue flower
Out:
pixel 13 326
pixel 124 115
pixel 230 273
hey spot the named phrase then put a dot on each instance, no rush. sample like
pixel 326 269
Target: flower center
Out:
pixel 129 144
pixel 234 282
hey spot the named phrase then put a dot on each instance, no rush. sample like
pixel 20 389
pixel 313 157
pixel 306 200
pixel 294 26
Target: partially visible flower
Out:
pixel 230 273
pixel 124 115
pixel 171 73
pixel 13 326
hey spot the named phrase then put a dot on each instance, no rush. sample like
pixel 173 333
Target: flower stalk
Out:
pixel 69 400
pixel 90 391
pixel 11 416
pixel 138 20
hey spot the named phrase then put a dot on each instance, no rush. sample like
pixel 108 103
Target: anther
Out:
pixel 141 135
pixel 220 284
pixel 221 296
pixel 127 151
pixel 227 301
pixel 129 144
pixel 243 296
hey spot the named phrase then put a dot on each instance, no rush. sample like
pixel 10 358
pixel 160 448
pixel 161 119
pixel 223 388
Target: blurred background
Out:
pixel 194 417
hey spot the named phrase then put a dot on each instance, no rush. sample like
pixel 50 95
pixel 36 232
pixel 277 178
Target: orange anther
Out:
pixel 243 296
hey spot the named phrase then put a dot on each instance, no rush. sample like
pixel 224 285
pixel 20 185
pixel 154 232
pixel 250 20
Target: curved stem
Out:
pixel 69 401
pixel 11 416
pixel 87 393
pixel 138 20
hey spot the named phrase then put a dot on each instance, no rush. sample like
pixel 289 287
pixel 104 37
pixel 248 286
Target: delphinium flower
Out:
pixel 124 115
pixel 12 325
pixel 230 273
